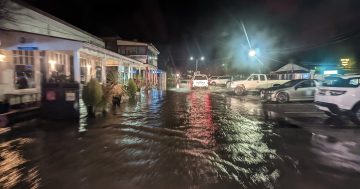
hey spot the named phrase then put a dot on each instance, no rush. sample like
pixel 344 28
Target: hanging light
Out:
pixel 2 57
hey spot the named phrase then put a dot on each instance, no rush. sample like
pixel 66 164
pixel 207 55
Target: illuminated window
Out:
pixel 24 72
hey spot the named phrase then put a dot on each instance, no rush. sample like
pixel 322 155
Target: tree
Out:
pixel 132 88
pixel 92 95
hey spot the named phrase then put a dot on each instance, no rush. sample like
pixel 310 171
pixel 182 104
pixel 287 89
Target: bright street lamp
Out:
pixel 252 53
pixel 202 58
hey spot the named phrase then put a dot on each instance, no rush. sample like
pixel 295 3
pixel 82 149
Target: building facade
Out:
pixel 143 52
pixel 36 47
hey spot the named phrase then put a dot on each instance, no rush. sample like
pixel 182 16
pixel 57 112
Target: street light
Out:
pixel 252 53
pixel 202 58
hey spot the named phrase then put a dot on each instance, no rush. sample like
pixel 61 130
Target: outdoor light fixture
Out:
pixel 52 65
pixel 202 58
pixel 52 62
pixel 2 57
pixel 252 53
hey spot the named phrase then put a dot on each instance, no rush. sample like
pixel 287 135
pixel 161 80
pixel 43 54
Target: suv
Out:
pixel 219 80
pixel 340 95
pixel 200 80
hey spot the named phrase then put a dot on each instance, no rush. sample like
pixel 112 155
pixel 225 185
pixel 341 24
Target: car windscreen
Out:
pixel 200 77
pixel 340 82
pixel 291 83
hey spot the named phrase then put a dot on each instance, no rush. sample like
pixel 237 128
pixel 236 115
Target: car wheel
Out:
pixel 330 114
pixel 355 115
pixel 239 90
pixel 282 97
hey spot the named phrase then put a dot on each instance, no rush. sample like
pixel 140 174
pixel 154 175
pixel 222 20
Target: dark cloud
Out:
pixel 304 29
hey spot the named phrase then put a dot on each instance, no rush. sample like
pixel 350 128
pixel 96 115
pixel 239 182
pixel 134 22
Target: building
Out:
pixel 36 47
pixel 143 52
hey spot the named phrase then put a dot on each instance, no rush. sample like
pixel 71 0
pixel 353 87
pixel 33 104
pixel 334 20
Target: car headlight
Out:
pixel 336 93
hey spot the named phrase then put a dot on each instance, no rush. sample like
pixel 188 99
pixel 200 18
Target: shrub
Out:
pixel 132 88
pixel 92 93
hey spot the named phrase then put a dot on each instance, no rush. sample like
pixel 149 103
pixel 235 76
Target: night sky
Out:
pixel 305 31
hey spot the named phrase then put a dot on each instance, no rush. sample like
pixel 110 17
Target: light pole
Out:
pixel 196 61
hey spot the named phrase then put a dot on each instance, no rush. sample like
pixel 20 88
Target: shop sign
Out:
pixel 28 48
pixel 70 96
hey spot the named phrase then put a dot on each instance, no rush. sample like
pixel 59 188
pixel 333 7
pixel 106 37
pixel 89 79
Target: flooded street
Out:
pixel 179 139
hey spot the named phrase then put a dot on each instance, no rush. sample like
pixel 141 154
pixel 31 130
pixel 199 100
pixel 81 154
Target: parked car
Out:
pixel 200 80
pixel 340 95
pixel 294 90
pixel 184 83
pixel 255 82
pixel 219 80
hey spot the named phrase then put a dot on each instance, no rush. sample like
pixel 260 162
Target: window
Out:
pixel 305 84
pixel 131 50
pixel 24 69
pixel 142 50
pixel 254 78
pixel 340 82
pixel 98 73
pixel 262 78
pixel 200 77
pixel 354 82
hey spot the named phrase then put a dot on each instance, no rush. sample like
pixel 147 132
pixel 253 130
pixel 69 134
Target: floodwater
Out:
pixel 177 139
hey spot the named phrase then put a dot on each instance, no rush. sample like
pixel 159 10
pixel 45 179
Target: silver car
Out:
pixel 219 80
pixel 294 90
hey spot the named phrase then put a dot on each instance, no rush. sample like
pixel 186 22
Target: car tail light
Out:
pixel 336 93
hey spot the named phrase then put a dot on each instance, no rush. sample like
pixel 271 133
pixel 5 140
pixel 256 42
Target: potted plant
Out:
pixel 112 92
pixel 132 88
pixel 92 94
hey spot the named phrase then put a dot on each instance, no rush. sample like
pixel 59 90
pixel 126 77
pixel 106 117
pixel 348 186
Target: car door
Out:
pixel 222 80
pixel 304 90
pixel 252 82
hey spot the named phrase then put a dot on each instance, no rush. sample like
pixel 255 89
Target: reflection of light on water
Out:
pixel 83 115
pixel 201 124
pixel 12 163
pixel 338 154
pixel 247 150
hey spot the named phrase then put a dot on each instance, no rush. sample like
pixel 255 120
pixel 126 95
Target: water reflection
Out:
pixel 339 154
pixel 172 139
pixel 15 171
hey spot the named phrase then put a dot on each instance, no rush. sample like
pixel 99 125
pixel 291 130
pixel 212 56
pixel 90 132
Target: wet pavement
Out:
pixel 186 139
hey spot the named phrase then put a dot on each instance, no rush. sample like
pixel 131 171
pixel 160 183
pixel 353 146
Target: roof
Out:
pixel 135 43
pixel 54 18
pixel 348 76
pixel 293 68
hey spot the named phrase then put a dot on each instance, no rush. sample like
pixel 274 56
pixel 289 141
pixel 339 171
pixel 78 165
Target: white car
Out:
pixel 219 80
pixel 340 95
pixel 200 80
